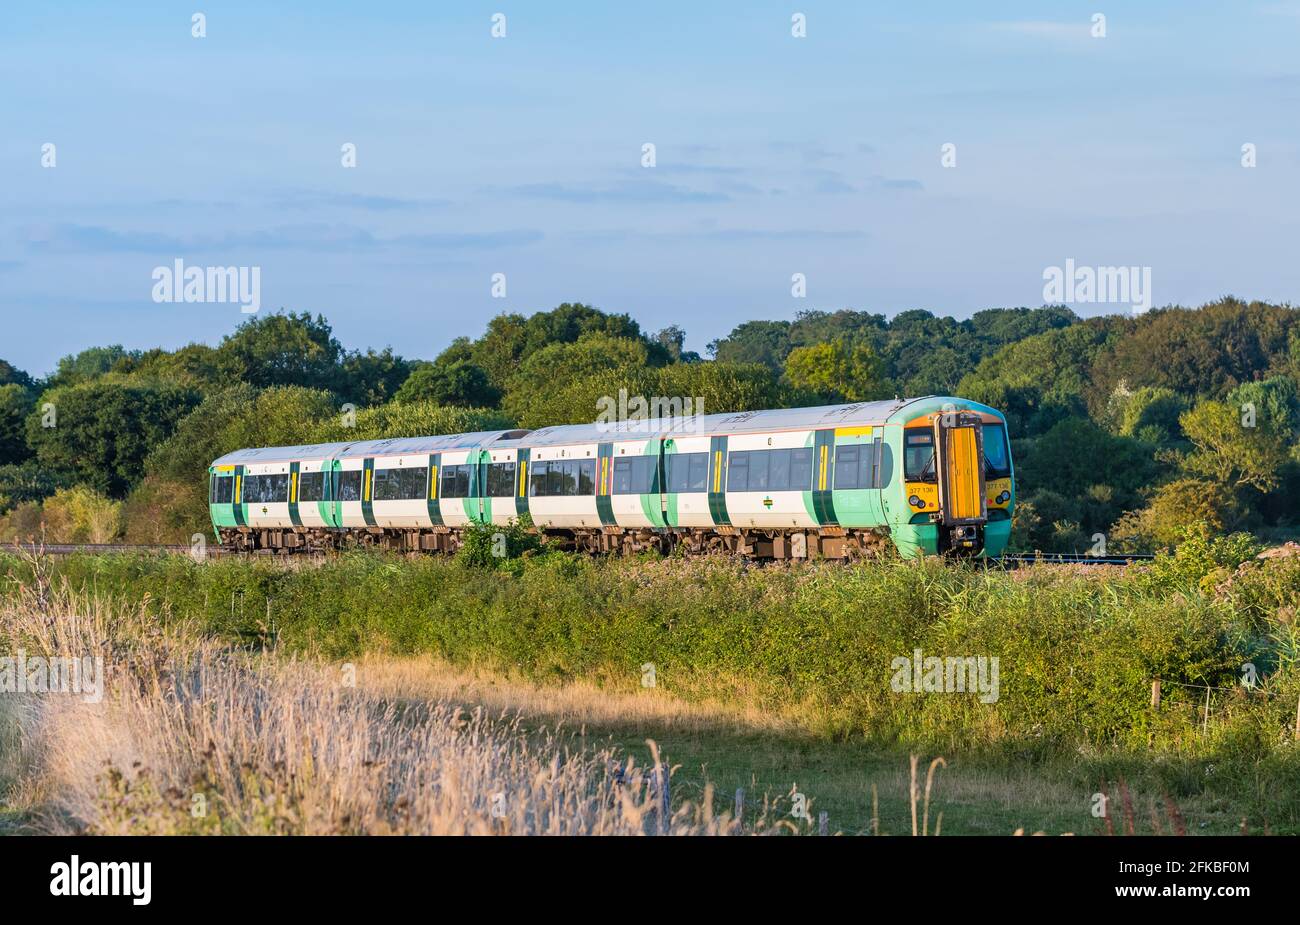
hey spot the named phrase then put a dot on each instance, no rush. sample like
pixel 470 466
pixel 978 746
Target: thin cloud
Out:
pixel 721 234
pixel 315 199
pixel 89 239
pixel 649 191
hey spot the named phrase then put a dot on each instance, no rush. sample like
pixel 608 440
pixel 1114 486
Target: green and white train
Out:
pixel 932 475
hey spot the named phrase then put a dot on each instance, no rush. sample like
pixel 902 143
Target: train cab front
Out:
pixel 958 482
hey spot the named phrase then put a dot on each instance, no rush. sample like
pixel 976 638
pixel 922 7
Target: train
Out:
pixel 930 475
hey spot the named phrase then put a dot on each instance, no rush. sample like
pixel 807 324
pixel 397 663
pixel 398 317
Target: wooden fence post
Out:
pixel 740 805
pixel 823 823
pixel 664 797
pixel 1155 694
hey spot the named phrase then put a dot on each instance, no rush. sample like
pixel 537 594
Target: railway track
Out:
pixel 1073 558
pixel 67 549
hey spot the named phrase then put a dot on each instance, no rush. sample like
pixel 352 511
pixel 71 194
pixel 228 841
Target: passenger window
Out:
pixel 350 485
pixel 847 469
pixel 801 467
pixel 311 486
pixel 738 471
pixel 501 480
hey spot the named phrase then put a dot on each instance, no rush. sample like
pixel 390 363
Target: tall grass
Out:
pixel 812 644
pixel 196 737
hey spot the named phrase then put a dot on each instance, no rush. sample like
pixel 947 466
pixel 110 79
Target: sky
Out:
pixel 524 155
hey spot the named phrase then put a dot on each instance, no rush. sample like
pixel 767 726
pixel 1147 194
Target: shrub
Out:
pixel 492 545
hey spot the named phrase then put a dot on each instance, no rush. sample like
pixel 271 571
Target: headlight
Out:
pixel 1004 497
pixel 915 501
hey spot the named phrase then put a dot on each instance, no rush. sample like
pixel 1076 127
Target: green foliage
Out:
pixel 492 546
pixel 562 383
pixel 103 430
pixel 764 342
pixel 87 365
pixel 12 375
pixel 1077 655
pixel 81 515
pixel 720 386
pixel 1229 451
pixel 1076 454
pixel 838 371
pixel 194 366
pixel 1150 414
pixel 372 378
pixel 416 419
pixel 512 339
pixel 1039 381
pixel 1175 508
pixel 282 349
pixel 1199 561
pixel 455 383
pixel 238 417
pixel 15 404
pixel 28 481
pixel 1204 351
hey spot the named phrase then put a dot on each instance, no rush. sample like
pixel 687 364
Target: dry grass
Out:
pixel 193 737
pixel 574 704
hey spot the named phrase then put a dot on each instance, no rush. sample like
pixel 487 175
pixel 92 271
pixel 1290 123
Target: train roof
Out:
pixel 394 446
pixel 743 422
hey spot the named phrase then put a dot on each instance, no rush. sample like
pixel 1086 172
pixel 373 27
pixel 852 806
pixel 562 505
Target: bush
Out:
pixel 1200 560
pixel 72 515
pixel 492 546
pixel 1175 508
pixel 1077 654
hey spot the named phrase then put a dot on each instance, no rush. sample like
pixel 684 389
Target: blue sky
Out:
pixel 522 156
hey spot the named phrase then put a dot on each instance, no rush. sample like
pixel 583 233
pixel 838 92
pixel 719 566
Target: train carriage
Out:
pixel 931 475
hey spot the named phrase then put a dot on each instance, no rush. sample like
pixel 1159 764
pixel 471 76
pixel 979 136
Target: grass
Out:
pixel 863 787
pixel 775 680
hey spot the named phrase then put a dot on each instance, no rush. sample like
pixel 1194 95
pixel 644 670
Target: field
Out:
pixel 375 694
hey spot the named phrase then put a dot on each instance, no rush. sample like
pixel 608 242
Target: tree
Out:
pixel 15 405
pixel 88 364
pixel 236 418
pixel 673 340
pixel 459 383
pixel 766 342
pixel 837 370
pixel 563 383
pixel 721 387
pixel 1150 413
pixel 1075 455
pixel 82 515
pixel 372 378
pixel 283 349
pixel 101 431
pixel 194 366
pixel 1229 450
pixel 1206 351
pixel 28 482
pixel 997 327
pixel 413 419
pixel 173 497
pixel 1175 507
pixel 12 375
pixel 1042 379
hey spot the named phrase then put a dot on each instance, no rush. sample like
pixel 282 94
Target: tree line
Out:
pixel 1137 428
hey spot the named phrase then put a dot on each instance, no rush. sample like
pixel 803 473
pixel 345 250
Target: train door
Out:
pixel 959 448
